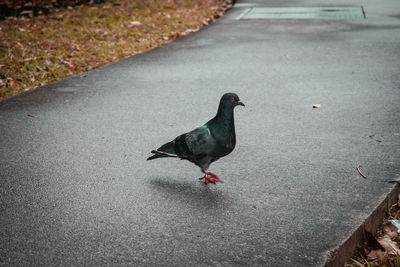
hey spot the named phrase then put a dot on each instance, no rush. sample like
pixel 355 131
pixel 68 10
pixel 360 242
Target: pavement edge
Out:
pixel 340 255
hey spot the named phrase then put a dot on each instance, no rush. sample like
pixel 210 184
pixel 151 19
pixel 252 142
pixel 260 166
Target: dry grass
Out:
pixel 39 50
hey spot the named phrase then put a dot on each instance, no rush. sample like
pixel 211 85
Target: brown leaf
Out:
pixel 174 34
pixel 377 254
pixel 31 115
pixel 77 47
pixel 390 230
pixel 390 247
pixel 10 82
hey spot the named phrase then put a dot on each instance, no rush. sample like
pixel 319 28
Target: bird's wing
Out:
pixel 200 141
pixel 197 146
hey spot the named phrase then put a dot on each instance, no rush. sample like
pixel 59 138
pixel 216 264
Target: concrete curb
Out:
pixel 343 253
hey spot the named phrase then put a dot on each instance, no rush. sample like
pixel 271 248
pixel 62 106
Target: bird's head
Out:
pixel 231 100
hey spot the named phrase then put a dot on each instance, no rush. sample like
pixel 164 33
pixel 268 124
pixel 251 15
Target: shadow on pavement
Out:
pixel 192 194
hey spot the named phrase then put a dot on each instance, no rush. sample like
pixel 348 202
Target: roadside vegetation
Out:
pixel 37 50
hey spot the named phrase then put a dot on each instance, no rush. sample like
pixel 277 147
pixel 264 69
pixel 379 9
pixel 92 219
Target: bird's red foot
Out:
pixel 211 178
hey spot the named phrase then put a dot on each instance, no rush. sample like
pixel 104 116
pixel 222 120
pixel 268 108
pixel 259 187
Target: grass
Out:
pixel 39 50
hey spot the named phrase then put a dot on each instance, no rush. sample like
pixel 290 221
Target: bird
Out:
pixel 206 144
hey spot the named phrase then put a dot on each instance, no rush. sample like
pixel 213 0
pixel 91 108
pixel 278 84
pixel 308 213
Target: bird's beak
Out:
pixel 240 103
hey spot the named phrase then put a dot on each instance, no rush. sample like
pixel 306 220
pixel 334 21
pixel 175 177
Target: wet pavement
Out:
pixel 76 189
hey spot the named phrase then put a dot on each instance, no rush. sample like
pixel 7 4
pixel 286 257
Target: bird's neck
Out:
pixel 223 128
pixel 225 116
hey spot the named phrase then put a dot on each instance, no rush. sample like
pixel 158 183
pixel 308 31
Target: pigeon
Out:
pixel 207 143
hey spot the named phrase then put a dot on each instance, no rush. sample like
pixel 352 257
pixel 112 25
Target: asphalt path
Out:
pixel 76 189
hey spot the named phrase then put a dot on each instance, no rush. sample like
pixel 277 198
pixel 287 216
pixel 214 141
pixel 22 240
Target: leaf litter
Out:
pixel 382 248
pixel 35 51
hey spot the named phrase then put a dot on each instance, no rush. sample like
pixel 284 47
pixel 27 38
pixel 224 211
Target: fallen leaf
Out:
pixel 135 23
pixel 390 247
pixel 31 115
pixel 21 29
pixel 10 82
pixel 316 106
pixel 188 31
pixel 68 63
pixel 390 230
pixel 377 254
pixel 174 34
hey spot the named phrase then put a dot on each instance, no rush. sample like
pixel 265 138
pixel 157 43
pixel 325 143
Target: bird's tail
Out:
pixel 166 150
pixel 155 156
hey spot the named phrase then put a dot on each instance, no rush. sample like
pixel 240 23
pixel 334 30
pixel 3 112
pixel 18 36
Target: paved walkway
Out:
pixel 75 188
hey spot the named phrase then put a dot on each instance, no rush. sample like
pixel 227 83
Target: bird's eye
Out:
pixel 232 98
